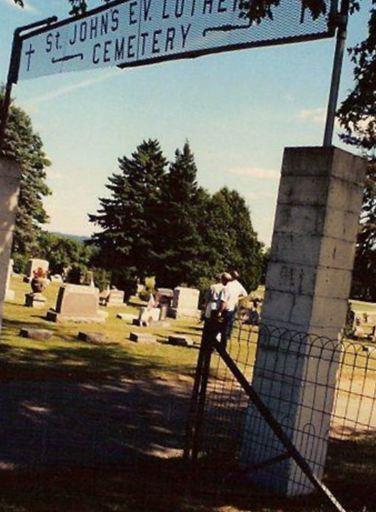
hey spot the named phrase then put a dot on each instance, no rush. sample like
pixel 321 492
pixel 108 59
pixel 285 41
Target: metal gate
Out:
pixel 223 396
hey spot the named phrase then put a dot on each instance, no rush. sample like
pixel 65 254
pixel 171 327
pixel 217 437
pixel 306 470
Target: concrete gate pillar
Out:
pixel 307 289
pixel 10 176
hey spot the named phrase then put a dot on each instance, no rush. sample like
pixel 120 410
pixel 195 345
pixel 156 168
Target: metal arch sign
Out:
pixel 134 32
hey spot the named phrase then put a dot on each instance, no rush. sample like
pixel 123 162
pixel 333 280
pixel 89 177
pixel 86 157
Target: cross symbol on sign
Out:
pixel 29 53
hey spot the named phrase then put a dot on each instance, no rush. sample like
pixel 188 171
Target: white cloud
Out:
pixel 255 172
pixel 314 115
pixel 64 91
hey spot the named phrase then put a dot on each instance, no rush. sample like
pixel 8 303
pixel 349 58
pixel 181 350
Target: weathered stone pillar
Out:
pixel 307 288
pixel 10 175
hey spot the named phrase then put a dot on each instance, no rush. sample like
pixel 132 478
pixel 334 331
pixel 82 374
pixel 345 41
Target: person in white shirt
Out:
pixel 213 297
pixel 211 308
pixel 232 292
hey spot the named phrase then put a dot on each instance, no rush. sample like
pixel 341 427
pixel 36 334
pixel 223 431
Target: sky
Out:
pixel 239 110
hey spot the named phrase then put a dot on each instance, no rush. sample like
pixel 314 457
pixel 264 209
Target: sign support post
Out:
pixel 14 66
pixel 341 22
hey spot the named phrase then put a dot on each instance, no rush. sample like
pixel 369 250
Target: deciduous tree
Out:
pixel 357 116
pixel 230 239
pixel 22 144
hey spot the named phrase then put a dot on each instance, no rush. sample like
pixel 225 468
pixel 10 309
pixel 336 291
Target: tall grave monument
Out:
pixel 77 303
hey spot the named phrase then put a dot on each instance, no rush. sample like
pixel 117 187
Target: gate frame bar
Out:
pixel 196 416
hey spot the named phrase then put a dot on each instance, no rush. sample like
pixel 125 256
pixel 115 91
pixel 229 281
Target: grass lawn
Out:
pixel 101 427
pixel 65 352
pixel 363 307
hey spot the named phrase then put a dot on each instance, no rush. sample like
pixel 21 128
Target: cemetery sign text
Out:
pixel 134 32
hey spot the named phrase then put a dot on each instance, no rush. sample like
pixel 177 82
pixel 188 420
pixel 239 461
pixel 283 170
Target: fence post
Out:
pixel 277 430
pixel 198 399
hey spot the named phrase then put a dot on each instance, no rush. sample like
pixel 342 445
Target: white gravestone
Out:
pixel 76 303
pixel 33 265
pixel 185 303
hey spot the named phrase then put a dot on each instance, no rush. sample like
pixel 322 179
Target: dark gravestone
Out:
pixel 92 337
pixel 139 337
pixel 180 341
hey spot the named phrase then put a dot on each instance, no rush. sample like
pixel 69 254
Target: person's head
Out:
pixel 235 274
pixel 225 278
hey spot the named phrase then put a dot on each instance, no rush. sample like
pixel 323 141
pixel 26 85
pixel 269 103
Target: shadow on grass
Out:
pixel 93 429
pixel 351 470
pixel 148 484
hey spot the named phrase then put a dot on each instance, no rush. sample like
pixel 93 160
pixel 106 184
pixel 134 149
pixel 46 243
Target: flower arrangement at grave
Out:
pixel 39 281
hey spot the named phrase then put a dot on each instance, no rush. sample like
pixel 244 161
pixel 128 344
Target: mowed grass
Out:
pixel 63 352
pixel 155 484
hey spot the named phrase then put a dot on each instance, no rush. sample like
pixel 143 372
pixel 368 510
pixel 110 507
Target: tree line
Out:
pixel 157 221
pixel 357 116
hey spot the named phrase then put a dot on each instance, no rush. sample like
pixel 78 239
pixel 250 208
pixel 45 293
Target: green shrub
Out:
pixel 20 262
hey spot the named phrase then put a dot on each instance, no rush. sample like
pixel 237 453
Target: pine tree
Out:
pixel 22 144
pixel 180 255
pixel 128 218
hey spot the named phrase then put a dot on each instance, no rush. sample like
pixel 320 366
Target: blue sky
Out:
pixel 238 110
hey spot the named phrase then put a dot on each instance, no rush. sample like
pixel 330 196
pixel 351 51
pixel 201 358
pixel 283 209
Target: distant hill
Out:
pixel 78 238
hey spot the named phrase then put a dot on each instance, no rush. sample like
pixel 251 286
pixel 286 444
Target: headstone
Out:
pixel 307 289
pixel 77 303
pixel 93 337
pixel 36 334
pixel 149 315
pixel 364 324
pixel 10 175
pixel 35 300
pixel 185 303
pixel 140 337
pixel 33 265
pixel 9 294
pixel 180 341
pixel 115 298
pixel 165 297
